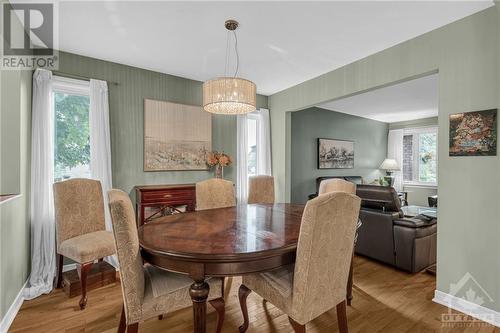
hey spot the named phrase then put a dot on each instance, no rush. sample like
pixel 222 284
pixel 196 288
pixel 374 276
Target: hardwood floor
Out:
pixel 385 300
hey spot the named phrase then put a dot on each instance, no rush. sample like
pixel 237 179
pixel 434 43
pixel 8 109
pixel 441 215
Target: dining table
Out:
pixel 222 242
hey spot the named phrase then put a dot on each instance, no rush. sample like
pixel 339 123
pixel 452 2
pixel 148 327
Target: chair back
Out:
pixel 336 185
pixel 324 253
pixel 214 193
pixel 261 189
pixel 128 253
pixel 79 208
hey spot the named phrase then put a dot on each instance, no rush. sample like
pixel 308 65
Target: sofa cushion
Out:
pixel 415 222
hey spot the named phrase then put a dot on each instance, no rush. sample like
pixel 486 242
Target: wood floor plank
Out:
pixel 385 300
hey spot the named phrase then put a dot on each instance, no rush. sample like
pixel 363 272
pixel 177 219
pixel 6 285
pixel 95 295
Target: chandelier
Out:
pixel 229 94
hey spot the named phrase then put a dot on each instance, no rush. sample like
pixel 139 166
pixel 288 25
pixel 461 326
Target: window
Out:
pixel 420 156
pixel 252 130
pixel 71 102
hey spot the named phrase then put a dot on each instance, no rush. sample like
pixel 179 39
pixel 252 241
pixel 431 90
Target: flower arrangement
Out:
pixel 219 160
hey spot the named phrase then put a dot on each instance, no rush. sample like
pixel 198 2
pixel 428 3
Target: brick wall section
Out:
pixel 407 157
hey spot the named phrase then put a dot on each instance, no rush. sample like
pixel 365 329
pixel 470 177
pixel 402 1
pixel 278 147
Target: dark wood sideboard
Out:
pixel 154 201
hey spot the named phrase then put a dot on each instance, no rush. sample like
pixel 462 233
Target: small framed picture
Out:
pixel 473 133
pixel 335 154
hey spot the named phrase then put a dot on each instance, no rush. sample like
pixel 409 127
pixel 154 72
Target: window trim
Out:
pixel 70 86
pixel 416 131
pixel 254 116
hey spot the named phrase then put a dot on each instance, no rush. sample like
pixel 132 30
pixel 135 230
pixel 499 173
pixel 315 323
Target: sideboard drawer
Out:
pixel 165 196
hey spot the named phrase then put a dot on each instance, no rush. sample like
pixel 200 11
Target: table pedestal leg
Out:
pixel 199 293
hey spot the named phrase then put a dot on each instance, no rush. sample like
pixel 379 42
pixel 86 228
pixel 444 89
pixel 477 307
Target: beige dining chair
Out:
pixel 317 281
pixel 80 228
pixel 261 189
pixel 336 185
pixel 149 291
pixel 341 185
pixel 215 193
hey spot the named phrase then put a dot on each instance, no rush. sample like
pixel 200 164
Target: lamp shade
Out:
pixel 390 165
pixel 229 95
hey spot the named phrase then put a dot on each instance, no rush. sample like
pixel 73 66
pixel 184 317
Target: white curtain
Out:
pixel 263 150
pixel 264 143
pixel 395 151
pixel 43 252
pixel 100 145
pixel 241 159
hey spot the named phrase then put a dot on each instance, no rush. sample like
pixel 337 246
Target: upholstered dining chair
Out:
pixel 336 185
pixel 317 281
pixel 148 291
pixel 341 185
pixel 80 228
pixel 261 189
pixel 214 193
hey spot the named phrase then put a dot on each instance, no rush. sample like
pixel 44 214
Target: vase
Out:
pixel 219 171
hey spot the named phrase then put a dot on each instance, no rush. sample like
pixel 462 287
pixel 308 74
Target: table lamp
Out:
pixel 389 165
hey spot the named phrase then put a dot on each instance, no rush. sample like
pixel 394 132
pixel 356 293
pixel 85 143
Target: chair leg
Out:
pixel 342 317
pixel 350 282
pixel 243 293
pixel 133 328
pixel 60 261
pixel 297 328
pixel 123 324
pixel 220 308
pixel 83 270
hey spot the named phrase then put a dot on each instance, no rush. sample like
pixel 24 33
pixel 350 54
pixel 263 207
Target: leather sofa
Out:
pixel 387 236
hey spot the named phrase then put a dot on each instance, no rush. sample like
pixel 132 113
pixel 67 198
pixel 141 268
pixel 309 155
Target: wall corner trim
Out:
pixel 476 311
pixel 13 310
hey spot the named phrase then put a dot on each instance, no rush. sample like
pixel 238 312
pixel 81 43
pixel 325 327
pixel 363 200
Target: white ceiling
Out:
pixel 409 100
pixel 281 43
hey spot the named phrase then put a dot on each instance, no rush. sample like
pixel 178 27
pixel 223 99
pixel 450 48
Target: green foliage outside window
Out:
pixel 428 159
pixel 72 136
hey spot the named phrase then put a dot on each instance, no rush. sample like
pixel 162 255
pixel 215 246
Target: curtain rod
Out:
pixel 78 77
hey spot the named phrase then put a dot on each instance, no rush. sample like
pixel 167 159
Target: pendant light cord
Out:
pixel 228 53
pixel 237 54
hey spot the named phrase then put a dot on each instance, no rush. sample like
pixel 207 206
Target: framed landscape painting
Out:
pixel 473 133
pixel 176 136
pixel 335 154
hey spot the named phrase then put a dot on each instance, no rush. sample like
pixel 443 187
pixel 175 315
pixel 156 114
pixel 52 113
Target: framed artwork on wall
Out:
pixel 177 137
pixel 335 154
pixel 473 133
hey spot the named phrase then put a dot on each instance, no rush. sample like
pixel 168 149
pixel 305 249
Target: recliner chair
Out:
pixel 387 236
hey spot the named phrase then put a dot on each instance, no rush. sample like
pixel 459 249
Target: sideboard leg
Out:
pixel 199 293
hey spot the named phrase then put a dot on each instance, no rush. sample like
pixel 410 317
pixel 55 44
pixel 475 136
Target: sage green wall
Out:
pixel 126 117
pixel 15 136
pixel 466 54
pixel 417 195
pixel 10 119
pixel 14 213
pixel 370 147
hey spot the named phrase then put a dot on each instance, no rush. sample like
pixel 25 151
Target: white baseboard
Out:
pixel 476 311
pixel 13 310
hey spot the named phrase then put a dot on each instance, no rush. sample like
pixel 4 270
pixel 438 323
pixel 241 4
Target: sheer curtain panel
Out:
pixel 43 252
pixel 100 145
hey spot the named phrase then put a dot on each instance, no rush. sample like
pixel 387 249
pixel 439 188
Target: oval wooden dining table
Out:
pixel 222 242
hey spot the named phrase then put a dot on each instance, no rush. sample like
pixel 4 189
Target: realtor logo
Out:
pixel 469 296
pixel 29 38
